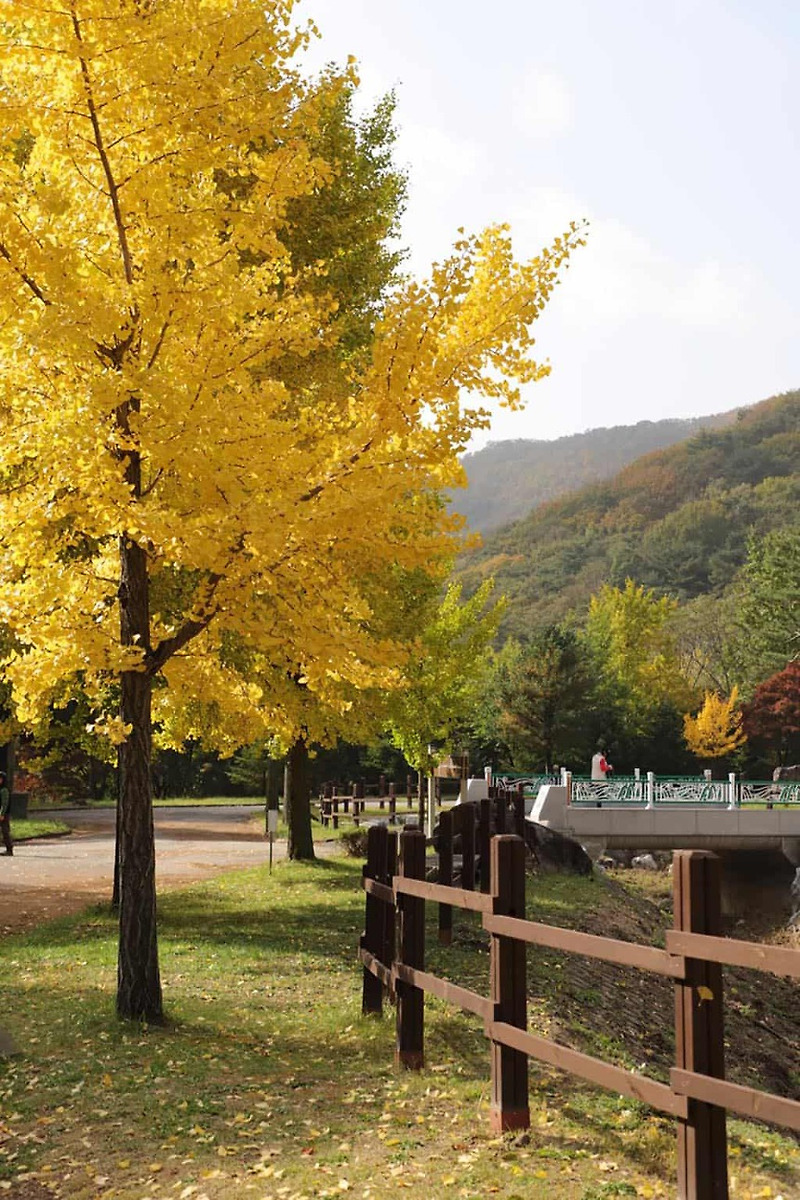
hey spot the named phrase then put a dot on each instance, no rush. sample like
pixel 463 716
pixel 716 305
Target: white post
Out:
pixel 651 790
pixel 707 774
pixel 431 806
pixel 564 773
pixel 487 775
pixel 732 790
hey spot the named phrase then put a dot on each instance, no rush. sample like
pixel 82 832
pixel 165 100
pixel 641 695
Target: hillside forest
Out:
pixel 654 614
pixel 508 479
pixel 669 592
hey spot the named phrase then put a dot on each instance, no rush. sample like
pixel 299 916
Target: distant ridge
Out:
pixel 508 479
pixel 676 520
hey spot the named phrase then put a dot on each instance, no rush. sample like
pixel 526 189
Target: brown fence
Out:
pixel 505 807
pixel 353 805
pixel 392 950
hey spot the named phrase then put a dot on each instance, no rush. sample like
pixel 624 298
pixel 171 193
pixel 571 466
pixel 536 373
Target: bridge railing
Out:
pixel 652 792
pixel 770 792
pixel 510 780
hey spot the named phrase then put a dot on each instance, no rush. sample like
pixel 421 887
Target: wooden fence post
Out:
pixel 519 810
pixel 483 839
pixel 468 816
pixel 508 986
pixel 446 874
pixel 375 922
pixel 381 790
pixel 390 910
pixel 500 811
pixel 392 804
pixel 699 1043
pixel 411 1000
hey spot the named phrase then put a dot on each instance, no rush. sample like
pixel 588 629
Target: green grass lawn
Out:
pixel 23 831
pixel 267 1082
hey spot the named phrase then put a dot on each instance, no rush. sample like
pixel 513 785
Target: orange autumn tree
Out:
pixel 716 730
pixel 183 512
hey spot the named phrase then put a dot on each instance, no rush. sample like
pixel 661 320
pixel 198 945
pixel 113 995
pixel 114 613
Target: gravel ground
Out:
pixel 49 877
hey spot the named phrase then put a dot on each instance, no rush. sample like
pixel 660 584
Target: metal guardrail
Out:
pixel 651 792
pixel 769 792
pixel 530 783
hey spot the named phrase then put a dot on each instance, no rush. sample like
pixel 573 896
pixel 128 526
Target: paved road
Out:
pixel 49 877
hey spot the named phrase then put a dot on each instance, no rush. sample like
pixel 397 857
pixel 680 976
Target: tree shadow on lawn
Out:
pixel 579 1105
pixel 211 911
pixel 319 1050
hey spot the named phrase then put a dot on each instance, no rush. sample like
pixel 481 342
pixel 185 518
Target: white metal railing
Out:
pixel 650 792
pixel 530 783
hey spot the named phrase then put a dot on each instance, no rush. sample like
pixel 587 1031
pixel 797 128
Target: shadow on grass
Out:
pixel 211 910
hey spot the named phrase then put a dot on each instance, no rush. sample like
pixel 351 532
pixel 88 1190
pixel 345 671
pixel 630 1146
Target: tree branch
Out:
pixel 348 464
pixel 164 651
pixel 24 276
pixel 122 233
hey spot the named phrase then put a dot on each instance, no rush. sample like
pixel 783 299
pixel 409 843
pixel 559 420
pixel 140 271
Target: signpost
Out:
pixel 272 829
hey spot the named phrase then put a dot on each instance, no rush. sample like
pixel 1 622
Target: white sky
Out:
pixel 672 126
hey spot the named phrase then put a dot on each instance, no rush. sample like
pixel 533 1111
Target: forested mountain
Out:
pixel 508 479
pixel 677 520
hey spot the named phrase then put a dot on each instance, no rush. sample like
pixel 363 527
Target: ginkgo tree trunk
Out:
pixel 177 501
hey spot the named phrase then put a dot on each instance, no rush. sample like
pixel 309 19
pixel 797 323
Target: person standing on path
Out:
pixel 5 819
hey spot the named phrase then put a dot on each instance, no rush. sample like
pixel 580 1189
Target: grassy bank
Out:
pixel 267 1081
pixel 24 831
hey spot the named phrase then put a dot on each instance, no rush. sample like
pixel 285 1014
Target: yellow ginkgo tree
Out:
pixel 183 513
pixel 716 730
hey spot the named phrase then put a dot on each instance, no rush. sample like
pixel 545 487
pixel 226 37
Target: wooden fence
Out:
pixel 392 950
pixel 335 805
pixel 384 801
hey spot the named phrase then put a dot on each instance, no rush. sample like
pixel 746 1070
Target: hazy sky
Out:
pixel 672 127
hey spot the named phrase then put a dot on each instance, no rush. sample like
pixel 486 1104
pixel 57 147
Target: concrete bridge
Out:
pixel 758 839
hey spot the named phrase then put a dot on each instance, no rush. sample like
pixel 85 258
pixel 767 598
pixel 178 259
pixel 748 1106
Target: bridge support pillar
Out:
pixel 755 881
pixel 594 847
pixel 791 849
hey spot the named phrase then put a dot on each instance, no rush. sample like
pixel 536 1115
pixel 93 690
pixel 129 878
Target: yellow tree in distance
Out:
pixel 716 731
pixel 178 506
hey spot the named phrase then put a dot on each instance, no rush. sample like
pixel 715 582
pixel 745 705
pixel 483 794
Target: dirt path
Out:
pixel 50 877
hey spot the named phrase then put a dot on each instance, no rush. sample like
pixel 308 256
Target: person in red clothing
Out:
pixel 601 767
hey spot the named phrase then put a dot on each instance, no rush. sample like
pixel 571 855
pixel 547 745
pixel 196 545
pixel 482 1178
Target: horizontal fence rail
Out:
pixel 594 1070
pixel 624 954
pixel 455 897
pixel 749 1102
pixel 697 1095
